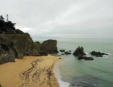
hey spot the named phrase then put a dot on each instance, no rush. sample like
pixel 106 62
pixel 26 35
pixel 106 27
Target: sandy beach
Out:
pixel 31 71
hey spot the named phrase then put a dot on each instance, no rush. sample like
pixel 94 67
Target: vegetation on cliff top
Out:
pixel 8 27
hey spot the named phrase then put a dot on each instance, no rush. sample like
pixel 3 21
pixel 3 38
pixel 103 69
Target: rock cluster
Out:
pixel 79 52
pixel 65 52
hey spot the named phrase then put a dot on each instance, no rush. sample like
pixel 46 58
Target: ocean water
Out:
pixel 72 72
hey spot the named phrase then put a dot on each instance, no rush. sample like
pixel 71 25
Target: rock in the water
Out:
pixel 67 52
pixel 85 58
pixel 97 54
pixel 62 50
pixel 49 47
pixel 79 52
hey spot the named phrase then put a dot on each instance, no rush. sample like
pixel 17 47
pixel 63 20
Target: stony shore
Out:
pixel 31 71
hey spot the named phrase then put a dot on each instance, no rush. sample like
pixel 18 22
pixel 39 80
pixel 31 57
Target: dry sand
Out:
pixel 29 72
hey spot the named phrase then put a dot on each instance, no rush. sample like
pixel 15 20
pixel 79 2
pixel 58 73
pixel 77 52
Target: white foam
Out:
pixel 59 78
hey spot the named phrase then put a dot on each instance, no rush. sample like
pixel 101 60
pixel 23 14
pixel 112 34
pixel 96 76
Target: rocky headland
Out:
pixel 15 43
pixel 23 60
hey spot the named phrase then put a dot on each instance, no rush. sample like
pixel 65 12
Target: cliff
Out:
pixel 17 46
pixel 48 47
pixel 14 43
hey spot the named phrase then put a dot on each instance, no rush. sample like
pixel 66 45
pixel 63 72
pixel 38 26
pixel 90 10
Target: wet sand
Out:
pixel 31 71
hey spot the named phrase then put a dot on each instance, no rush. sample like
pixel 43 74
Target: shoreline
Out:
pixel 31 71
pixel 59 77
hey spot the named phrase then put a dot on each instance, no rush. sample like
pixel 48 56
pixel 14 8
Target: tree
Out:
pixel 1 18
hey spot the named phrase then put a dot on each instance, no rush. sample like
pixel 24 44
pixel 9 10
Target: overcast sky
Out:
pixel 61 18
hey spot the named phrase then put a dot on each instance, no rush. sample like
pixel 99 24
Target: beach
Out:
pixel 31 71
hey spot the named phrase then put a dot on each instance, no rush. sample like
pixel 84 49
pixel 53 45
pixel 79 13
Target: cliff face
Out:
pixel 7 54
pixel 14 43
pixel 49 47
pixel 19 45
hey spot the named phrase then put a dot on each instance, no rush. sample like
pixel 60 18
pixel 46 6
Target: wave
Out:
pixel 59 78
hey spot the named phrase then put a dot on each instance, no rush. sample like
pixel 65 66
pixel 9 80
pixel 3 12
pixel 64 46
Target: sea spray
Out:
pixel 58 76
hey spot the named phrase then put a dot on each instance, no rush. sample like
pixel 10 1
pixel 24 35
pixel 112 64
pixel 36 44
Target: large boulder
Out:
pixel 79 51
pixel 48 47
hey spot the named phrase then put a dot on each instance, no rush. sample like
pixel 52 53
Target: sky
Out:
pixel 61 18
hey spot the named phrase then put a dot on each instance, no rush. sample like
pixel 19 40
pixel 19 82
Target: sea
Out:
pixel 71 72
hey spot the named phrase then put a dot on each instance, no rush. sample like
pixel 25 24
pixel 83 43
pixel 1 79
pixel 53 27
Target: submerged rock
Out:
pixel 97 54
pixel 79 52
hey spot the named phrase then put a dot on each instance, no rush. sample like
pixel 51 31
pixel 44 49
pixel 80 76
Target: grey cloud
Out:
pixel 61 17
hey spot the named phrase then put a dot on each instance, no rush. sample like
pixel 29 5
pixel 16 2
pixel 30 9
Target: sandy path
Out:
pixel 29 72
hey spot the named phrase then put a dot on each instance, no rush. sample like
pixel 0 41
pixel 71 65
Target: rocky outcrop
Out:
pixel 48 47
pixel 79 51
pixel 14 43
pixel 97 54
pixel 17 45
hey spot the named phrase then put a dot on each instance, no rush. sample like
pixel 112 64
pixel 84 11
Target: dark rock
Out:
pixel 62 50
pixel 85 58
pixel 49 47
pixel 67 52
pixel 97 54
pixel 79 52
